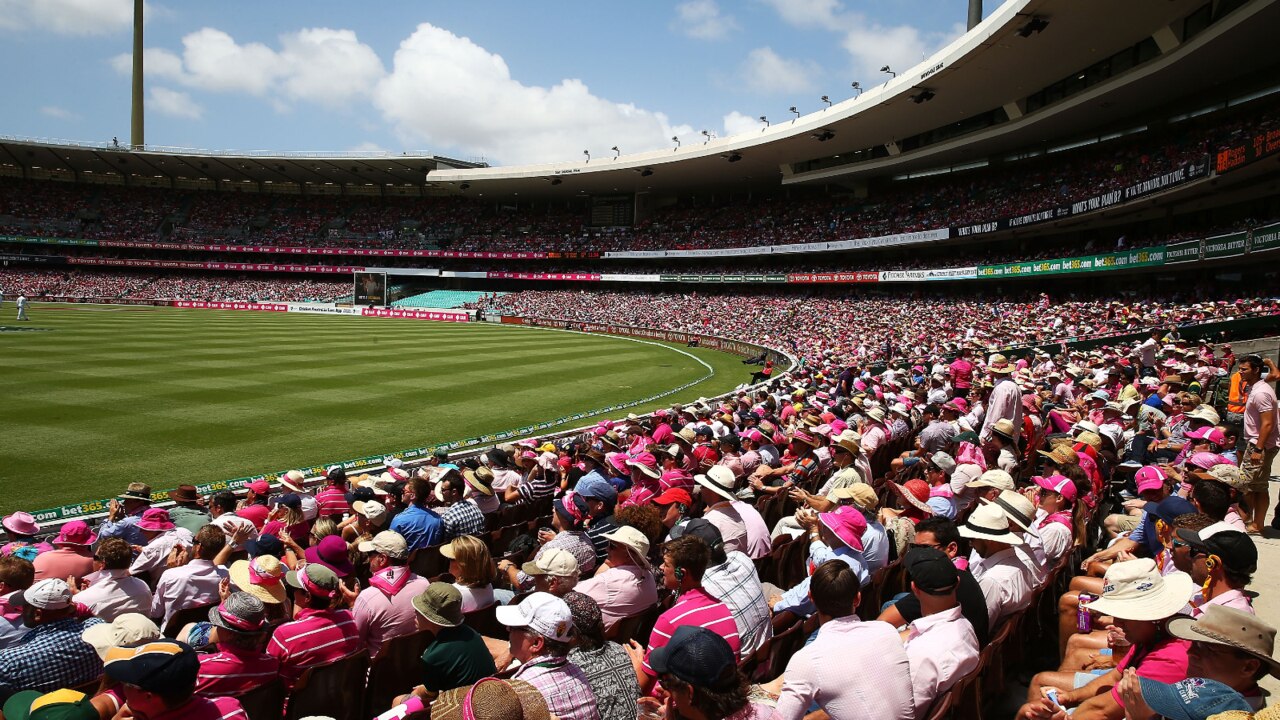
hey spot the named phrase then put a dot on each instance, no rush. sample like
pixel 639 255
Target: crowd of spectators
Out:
pixel 121 285
pixel 676 550
pixel 459 223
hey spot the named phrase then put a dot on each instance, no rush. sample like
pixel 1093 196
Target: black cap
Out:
pixel 289 500
pixel 704 430
pixel 336 475
pixel 701 528
pixel 697 656
pixel 441 454
pixel 1234 548
pixel 158 666
pixel 360 493
pixel 265 545
pixel 931 570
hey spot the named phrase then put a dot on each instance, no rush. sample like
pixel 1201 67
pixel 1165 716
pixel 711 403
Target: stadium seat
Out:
pixel 334 690
pixel 396 668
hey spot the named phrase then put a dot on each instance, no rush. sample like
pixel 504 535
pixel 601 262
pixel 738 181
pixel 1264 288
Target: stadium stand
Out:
pixel 441 299
pixel 961 494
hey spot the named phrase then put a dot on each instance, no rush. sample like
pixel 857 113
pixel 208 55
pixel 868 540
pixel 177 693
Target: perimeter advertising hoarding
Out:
pixel 370 289
pixel 1266 238
pixel 1146 257
pixel 1182 252
pixel 1224 246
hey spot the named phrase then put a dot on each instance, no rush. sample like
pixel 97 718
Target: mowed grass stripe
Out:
pixel 171 396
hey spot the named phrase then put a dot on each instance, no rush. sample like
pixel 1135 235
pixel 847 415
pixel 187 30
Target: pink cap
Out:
pixel 1149 477
pixel 259 487
pixel 1210 433
pixel 643 459
pixel 1205 460
pixel 1059 484
pixel 753 435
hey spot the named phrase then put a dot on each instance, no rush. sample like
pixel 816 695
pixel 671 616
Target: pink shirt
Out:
pixel 1166 663
pixel 724 515
pixel 759 542
pixel 64 561
pixel 872 438
pixel 380 617
pixel 314 638
pixel 202 708
pixel 232 671
pixel 332 501
pixel 1262 401
pixel 1004 403
pixel 698 608
pixel 621 592
pixel 853 669
pixel 942 648
pixel 1231 598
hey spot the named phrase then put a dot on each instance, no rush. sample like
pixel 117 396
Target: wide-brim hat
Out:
pixel 908 496
pixel 847 523
pixel 241 612
pixel 76 533
pixel 1017 508
pixel 477 483
pixel 989 522
pixel 1135 590
pixel 806 438
pixel 136 491
pixel 184 494
pixel 652 472
pixel 1222 625
pixel 268 589
pixel 293 480
pixel 1062 455
pixel 21 523
pixel 491 699
pixel 719 480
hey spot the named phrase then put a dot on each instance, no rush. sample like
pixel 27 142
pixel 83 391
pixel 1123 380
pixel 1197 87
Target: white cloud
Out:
pixel 367 147
pixel 318 65
pixel 446 91
pixel 701 19
pixel 736 123
pixel 766 72
pixel 809 13
pixel 58 113
pixel 68 17
pixel 174 103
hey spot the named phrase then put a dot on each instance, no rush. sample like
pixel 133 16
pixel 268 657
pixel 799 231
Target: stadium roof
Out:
pixel 1021 49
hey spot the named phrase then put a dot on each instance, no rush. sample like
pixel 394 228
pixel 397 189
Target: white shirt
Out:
pixel 1054 541
pixel 310 509
pixel 188 586
pixel 154 557
pixel 114 592
pixel 942 648
pixel 1005 582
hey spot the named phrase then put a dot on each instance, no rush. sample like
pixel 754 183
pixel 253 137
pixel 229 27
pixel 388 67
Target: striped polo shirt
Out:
pixel 698 608
pixel 314 638
pixel 202 708
pixel 332 501
pixel 233 670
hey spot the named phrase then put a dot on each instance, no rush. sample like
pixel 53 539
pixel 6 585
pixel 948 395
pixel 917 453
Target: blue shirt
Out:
pixel 797 599
pixel 125 528
pixel 421 527
pixel 48 657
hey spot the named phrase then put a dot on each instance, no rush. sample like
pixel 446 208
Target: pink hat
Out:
pixel 647 464
pixel 1149 477
pixel 76 532
pixel 21 523
pixel 753 435
pixel 259 487
pixel 1210 433
pixel 618 461
pixel 1059 484
pixel 1204 460
pixel 155 520
pixel 847 523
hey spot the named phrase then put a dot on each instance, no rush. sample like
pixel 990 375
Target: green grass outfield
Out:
pixel 110 395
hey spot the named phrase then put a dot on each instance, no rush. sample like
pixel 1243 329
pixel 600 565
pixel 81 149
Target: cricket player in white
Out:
pixel 22 307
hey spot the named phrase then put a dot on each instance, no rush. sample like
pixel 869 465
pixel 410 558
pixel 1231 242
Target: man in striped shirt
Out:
pixel 332 500
pixel 238 666
pixel 318 634
pixel 684 560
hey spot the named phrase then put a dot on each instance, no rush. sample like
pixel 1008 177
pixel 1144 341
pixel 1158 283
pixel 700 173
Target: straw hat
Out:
pixel 993 478
pixel 1017 508
pixel 999 365
pixel 719 480
pixel 989 522
pixel 1062 455
pixel 850 440
pixel 1135 590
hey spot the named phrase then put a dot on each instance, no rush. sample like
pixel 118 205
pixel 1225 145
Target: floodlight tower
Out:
pixel 137 134
pixel 975 13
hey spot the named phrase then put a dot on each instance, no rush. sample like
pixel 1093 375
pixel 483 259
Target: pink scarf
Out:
pixel 391 580
pixel 1062 516
pixel 971 454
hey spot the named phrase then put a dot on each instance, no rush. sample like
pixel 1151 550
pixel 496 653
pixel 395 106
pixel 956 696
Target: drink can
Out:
pixel 1084 620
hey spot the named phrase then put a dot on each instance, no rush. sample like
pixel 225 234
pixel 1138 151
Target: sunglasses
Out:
pixel 918 546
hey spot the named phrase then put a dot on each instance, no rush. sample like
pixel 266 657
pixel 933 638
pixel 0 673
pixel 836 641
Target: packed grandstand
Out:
pixel 997 458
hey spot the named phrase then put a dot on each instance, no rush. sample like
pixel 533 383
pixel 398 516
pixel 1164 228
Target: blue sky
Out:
pixel 511 82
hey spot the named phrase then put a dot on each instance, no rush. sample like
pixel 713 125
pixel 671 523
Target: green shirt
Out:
pixel 457 657
pixel 189 519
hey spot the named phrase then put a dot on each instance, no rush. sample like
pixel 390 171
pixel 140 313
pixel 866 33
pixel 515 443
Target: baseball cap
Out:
pixel 1059 484
pixel 542 613
pixel 374 511
pixel 697 656
pixel 1191 699
pixel 259 487
pixel 1210 433
pixel 315 579
pixel 389 543
pixel 159 666
pixel 265 545
pixel 596 489
pixel 1236 549
pixel 57 705
pixel 674 495
pixel 48 594
pixel 1149 477
pixel 560 563
pixel 931 570
pixel 701 528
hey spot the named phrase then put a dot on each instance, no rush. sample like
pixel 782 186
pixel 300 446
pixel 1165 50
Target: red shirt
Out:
pixel 332 501
pixel 314 638
pixel 232 671
pixel 695 607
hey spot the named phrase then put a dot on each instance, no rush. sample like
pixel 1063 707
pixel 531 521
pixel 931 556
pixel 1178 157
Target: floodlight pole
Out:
pixel 975 13
pixel 137 135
